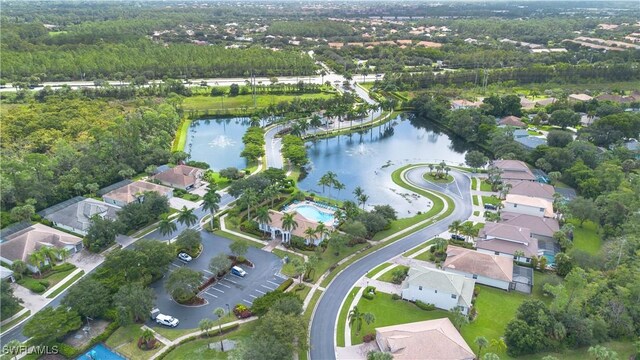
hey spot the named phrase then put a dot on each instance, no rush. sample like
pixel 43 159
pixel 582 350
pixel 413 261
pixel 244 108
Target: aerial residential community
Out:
pixel 351 180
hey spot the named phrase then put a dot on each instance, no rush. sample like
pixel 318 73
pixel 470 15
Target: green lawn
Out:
pixel 388 312
pixel 11 323
pixel 417 248
pixel 476 213
pixel 425 256
pixel 312 304
pixel 32 283
pixel 199 348
pixel 288 268
pixel 344 313
pixel 302 294
pixel 475 200
pixel 494 200
pixel 329 258
pixel 240 102
pixel 484 186
pixel 181 136
pixel 624 349
pixel 388 276
pixel 65 285
pixel 125 341
pixel 377 269
pixel 238 238
pixel 586 238
pixel 173 334
pixel 431 178
pixel 474 183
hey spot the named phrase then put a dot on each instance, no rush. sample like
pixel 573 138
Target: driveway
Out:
pixel 230 290
pixel 324 322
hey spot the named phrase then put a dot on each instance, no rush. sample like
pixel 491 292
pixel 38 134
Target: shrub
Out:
pixel 63 267
pixel 370 289
pixel 37 288
pixel 395 297
pixel 369 337
pixel 285 285
pixel 425 306
pixel 241 311
pixel 368 296
pixel 68 351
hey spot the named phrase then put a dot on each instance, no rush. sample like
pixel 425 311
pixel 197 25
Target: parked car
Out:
pixel 490 207
pixel 457 237
pixel 236 270
pixel 184 257
pixel 167 320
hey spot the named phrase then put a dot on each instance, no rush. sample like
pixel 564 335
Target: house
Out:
pixel 427 340
pixel 444 290
pixel 545 102
pixel 464 104
pixel 6 274
pixel 514 170
pixel 574 98
pixel 181 177
pixel 429 44
pixel 21 244
pixel 75 214
pixel 527 104
pixel 485 269
pixel 614 98
pixel 511 121
pixel 541 228
pixel 529 205
pixel 134 192
pixel 275 228
pixel 531 142
pixel 506 240
pixel 520 133
pixel 532 189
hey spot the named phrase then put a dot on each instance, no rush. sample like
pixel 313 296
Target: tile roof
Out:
pixel 537 225
pixel 180 176
pixel 506 232
pixel 533 189
pixel 533 202
pixel 20 245
pixel 529 249
pixel 428 340
pixel 511 121
pixel 131 192
pixel 473 262
pixel 514 170
pixel 303 223
pixel 442 281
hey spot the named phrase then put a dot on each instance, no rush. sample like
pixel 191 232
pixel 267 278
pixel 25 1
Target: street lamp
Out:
pixel 228 311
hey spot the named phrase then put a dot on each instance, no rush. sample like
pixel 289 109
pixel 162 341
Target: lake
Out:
pixel 367 159
pixel 218 142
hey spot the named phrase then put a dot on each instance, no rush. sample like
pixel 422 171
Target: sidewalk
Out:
pixel 62 282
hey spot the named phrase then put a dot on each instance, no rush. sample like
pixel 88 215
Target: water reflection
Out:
pixel 218 142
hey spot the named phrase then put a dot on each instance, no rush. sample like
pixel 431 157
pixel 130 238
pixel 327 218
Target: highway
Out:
pixel 323 326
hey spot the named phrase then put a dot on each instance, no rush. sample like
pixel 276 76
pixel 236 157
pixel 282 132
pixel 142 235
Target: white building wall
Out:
pixel 504 285
pixel 524 209
pixel 510 256
pixel 71 228
pixel 441 300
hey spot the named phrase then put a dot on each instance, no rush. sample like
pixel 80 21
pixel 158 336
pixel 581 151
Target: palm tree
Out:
pixel 219 313
pixel 211 203
pixel 35 259
pixel 249 197
pixel 310 233
pixel 440 244
pixel 498 345
pixel 356 317
pixel 270 192
pixel 19 267
pixel 454 227
pixel 358 192
pixel 316 121
pixel 289 223
pixel 338 186
pixel 322 230
pixel 166 226
pixel 329 179
pixel 205 325
pixel 339 214
pixel 363 199
pixel 467 229
pixel 262 215
pixel 49 254
pixel 187 217
pixel 482 342
pixel 324 181
pixel 63 254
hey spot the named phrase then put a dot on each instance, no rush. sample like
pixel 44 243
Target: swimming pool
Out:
pixel 313 214
pixel 551 257
pixel 100 352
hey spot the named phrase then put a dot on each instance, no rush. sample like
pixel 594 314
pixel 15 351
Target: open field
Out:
pixel 242 102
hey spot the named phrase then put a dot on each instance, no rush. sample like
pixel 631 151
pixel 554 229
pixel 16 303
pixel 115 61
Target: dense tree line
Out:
pixel 60 148
pixel 315 28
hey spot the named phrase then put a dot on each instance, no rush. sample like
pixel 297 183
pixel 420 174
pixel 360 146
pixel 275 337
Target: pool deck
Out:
pixel 326 209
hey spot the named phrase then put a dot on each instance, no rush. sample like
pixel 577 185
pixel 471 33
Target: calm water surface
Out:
pixel 218 142
pixel 368 159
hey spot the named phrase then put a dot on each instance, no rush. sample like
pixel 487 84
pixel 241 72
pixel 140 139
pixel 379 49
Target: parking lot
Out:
pixel 231 289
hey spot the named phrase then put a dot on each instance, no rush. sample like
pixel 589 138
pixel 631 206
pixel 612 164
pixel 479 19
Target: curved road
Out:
pixel 324 320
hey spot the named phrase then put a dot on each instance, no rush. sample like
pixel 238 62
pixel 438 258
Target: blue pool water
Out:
pixel 551 258
pixel 100 352
pixel 314 214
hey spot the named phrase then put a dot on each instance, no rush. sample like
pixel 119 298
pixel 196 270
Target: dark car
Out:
pixel 490 207
pixel 457 237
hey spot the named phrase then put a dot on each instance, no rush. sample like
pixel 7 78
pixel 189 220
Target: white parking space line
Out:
pixel 231 281
pixel 227 286
pixel 266 287
pixel 247 301
pixel 271 282
pixel 176 265
pixel 210 294
pixel 216 289
pixel 261 292
pixel 207 271
pixel 253 296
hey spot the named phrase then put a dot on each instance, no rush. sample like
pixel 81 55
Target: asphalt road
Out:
pixel 324 321
pixel 230 290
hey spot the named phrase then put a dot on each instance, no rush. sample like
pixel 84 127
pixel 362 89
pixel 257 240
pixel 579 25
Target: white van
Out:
pixel 237 270
pixel 167 320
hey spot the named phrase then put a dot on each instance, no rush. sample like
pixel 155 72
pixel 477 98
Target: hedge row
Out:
pixel 285 285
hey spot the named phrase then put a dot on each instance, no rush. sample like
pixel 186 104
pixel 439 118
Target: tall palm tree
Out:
pixel 431 166
pixel 35 259
pixel 356 317
pixel 358 192
pixel 440 244
pixel 270 192
pixel 166 226
pixel 324 182
pixel 19 267
pixel 211 203
pixel 338 186
pixel 467 229
pixel 316 121
pixel 249 198
pixel 498 345
pixel 288 222
pixel 454 227
pixel 63 254
pixel 219 313
pixel 363 199
pixel 311 233
pixel 49 254
pixel 262 215
pixel 187 217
